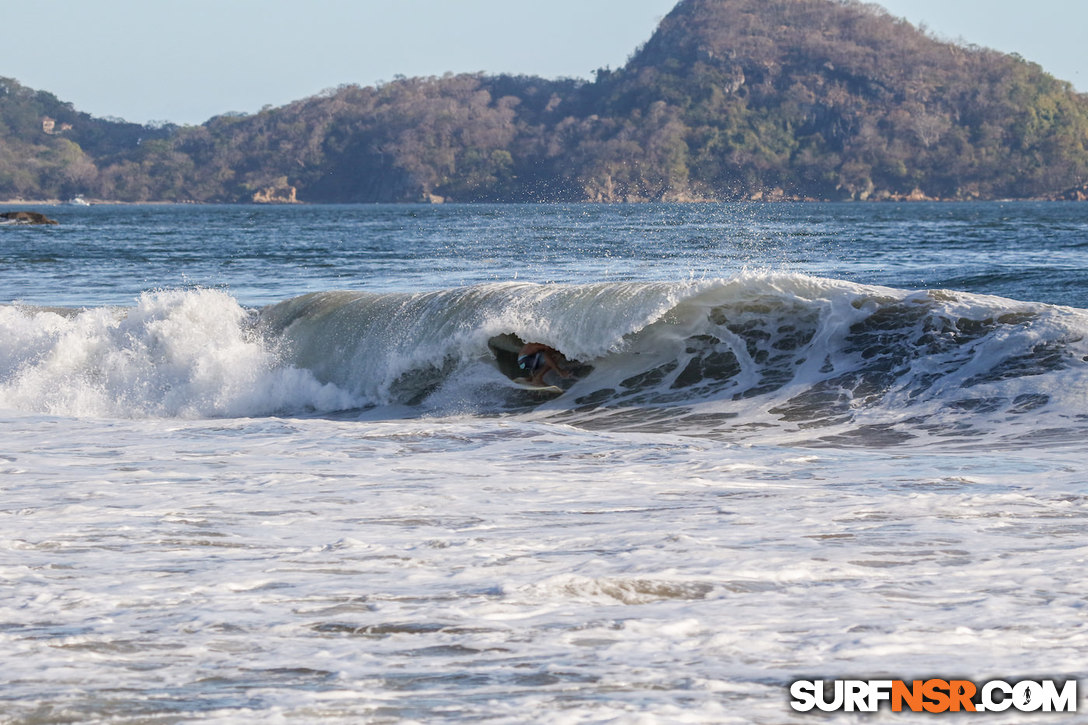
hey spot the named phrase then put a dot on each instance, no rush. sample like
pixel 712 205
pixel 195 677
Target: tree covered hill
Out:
pixel 48 149
pixel 730 99
pixel 836 99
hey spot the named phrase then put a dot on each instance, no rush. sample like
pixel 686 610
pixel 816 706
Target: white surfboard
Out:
pixel 524 384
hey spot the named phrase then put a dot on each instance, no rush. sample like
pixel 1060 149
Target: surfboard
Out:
pixel 524 384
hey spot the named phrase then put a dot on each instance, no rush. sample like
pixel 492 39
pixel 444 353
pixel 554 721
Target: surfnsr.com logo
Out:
pixel 934 695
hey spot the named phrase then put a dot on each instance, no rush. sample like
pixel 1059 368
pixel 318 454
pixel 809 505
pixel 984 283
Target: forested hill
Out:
pixel 730 99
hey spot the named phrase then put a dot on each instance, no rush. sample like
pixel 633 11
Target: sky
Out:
pixel 184 61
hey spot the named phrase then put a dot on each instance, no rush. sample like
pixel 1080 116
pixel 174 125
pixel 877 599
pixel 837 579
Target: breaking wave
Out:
pixel 188 354
pixel 758 357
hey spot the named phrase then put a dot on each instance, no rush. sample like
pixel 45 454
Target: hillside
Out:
pixel 730 99
pixel 833 99
pixel 50 150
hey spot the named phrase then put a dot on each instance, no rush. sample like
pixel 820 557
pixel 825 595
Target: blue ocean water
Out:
pixel 266 462
pixel 110 254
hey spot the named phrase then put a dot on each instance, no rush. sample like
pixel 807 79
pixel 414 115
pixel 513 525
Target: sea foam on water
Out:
pixel 183 353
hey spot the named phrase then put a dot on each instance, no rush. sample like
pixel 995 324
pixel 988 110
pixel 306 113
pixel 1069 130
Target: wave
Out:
pixel 778 357
pixel 787 356
pixel 188 354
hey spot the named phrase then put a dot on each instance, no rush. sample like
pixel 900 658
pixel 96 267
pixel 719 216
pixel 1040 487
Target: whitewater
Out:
pixel 267 464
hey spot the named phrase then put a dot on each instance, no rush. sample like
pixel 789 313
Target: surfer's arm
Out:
pixel 550 363
pixel 531 348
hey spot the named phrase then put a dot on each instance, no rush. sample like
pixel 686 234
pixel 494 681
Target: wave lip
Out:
pixel 400 348
pixel 823 361
pixel 762 357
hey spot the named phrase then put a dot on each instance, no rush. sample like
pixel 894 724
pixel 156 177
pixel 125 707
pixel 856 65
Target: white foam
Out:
pixel 175 353
pixel 237 570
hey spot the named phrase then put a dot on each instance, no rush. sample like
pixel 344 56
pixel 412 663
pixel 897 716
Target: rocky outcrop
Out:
pixel 1078 193
pixel 27 217
pixel 281 193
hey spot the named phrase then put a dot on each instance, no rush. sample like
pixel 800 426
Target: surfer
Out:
pixel 537 360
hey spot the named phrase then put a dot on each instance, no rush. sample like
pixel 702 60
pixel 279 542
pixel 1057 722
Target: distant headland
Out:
pixel 756 100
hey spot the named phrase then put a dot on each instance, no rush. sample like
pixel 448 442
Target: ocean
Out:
pixel 266 464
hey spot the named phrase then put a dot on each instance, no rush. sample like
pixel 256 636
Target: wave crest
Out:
pixel 175 354
pixel 781 357
pixel 819 360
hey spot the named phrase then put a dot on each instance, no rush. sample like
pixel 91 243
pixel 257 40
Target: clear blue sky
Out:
pixel 187 60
